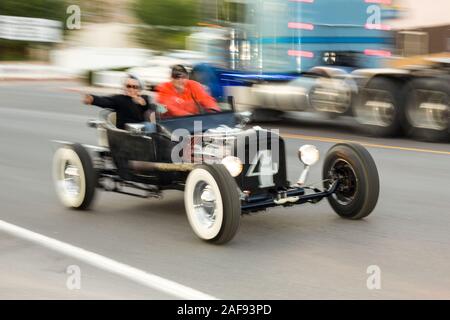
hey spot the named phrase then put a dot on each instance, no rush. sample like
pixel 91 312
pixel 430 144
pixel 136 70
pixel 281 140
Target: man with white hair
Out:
pixel 130 107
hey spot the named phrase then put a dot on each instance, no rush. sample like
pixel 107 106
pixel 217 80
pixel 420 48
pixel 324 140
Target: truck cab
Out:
pixel 272 54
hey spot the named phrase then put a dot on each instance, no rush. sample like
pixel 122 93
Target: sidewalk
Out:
pixel 11 71
pixel 99 90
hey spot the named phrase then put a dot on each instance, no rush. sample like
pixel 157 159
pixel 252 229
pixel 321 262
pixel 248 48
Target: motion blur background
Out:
pixel 108 34
pixel 258 48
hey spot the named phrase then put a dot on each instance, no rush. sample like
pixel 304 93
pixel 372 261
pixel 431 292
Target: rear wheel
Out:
pixel 358 182
pixel 427 111
pixel 212 203
pixel 379 107
pixel 74 176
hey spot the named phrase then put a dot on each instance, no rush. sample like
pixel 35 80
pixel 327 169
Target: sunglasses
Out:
pixel 130 86
pixel 179 75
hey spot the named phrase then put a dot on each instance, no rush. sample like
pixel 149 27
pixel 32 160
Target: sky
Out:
pixel 423 13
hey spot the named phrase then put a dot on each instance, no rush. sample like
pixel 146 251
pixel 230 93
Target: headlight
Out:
pixel 233 165
pixel 309 155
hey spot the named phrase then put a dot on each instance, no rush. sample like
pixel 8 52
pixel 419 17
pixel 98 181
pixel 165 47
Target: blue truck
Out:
pixel 325 56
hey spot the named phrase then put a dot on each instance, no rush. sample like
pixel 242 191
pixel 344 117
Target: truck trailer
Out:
pixel 325 56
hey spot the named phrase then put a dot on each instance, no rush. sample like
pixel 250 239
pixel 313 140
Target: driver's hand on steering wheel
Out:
pixel 212 110
pixel 88 99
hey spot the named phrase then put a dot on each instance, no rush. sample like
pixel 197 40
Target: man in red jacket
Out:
pixel 184 97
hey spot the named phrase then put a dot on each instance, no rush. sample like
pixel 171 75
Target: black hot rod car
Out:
pixel 224 169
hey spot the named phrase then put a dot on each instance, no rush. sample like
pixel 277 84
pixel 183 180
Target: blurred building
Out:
pixel 423 27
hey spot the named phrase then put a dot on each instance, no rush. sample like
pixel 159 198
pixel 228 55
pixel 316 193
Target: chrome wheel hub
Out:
pixel 71 182
pixel 378 109
pixel 348 182
pixel 205 204
pixel 431 112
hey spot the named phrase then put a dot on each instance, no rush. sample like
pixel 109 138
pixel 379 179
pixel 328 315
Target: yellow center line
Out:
pixel 366 144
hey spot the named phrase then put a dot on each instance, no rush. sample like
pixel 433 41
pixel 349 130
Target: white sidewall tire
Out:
pixel 62 156
pixel 196 176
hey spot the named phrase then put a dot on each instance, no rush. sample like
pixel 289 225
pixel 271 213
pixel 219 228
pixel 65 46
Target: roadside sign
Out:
pixel 30 29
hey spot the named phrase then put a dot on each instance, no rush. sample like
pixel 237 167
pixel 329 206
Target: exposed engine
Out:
pixel 217 143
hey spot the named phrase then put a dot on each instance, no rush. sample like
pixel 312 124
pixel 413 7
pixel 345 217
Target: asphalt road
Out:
pixel 305 252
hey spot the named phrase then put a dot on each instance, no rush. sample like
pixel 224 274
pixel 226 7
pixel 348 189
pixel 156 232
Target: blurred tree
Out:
pixel 167 21
pixel 167 12
pixel 45 9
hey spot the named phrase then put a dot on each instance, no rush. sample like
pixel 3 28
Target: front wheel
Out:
pixel 74 176
pixel 352 166
pixel 212 203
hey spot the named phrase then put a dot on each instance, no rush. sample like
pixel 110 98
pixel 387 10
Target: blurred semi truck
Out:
pixel 326 56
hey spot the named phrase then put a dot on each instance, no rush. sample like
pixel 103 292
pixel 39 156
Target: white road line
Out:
pixel 141 277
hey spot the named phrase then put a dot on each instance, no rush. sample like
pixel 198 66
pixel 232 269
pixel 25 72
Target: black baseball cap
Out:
pixel 179 71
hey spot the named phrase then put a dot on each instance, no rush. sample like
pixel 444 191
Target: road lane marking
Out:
pixel 366 144
pixel 141 277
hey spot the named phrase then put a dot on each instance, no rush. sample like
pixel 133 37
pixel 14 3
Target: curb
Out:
pixel 98 90
pixel 18 78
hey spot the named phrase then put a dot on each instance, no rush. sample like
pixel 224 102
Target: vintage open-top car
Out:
pixel 224 169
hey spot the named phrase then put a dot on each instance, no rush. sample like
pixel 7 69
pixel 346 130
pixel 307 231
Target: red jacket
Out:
pixel 183 104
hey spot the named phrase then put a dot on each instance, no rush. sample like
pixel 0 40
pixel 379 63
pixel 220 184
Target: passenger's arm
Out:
pixel 102 102
pixel 202 97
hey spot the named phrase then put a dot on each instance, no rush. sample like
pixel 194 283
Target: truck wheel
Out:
pixel 379 107
pixel 427 111
pixel 358 188
pixel 212 203
pixel 74 176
